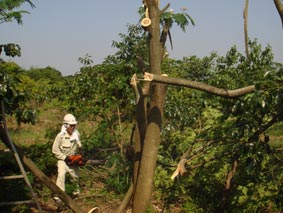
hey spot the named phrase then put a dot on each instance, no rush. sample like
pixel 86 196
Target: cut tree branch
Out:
pixel 198 85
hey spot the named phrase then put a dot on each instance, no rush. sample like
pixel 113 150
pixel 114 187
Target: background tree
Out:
pixel 8 13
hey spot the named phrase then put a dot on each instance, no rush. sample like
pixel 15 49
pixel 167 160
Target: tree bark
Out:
pixel 245 14
pixel 126 200
pixel 140 128
pixel 279 7
pixel 144 185
pixel 227 188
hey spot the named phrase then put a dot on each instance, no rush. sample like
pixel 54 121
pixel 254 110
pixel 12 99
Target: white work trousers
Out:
pixel 63 168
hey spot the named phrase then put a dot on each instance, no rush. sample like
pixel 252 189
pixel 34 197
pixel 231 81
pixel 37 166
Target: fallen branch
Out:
pixel 126 199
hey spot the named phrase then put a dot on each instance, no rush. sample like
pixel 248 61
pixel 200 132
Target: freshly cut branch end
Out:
pixel 148 76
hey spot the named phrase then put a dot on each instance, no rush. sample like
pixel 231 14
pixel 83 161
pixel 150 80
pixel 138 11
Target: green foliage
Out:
pixel 102 94
pixel 12 95
pixel 213 132
pixel 26 116
pixel 44 85
pixel 133 51
pixel 47 73
pixel 119 176
pixel 42 155
pixel 181 19
pixel 9 13
pixel 11 49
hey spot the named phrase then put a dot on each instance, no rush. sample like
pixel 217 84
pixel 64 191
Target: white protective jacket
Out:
pixel 66 145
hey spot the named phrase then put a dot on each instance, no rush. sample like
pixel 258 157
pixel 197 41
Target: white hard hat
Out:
pixel 69 119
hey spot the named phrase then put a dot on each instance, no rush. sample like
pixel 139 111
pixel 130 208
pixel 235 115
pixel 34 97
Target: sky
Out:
pixel 57 32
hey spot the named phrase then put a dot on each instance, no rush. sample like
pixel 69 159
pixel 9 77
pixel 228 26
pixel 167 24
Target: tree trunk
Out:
pixel 144 185
pixel 246 9
pixel 279 7
pixel 141 122
pixel 227 189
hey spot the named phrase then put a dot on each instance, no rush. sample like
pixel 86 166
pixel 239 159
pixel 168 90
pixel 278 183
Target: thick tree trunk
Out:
pixel 144 185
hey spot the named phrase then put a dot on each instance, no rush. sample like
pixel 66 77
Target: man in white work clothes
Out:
pixel 66 145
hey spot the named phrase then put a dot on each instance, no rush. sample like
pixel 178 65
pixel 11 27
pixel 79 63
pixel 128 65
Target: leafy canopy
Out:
pixel 9 12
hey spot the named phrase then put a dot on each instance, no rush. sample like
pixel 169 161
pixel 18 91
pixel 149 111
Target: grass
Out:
pixel 47 119
pixel 276 135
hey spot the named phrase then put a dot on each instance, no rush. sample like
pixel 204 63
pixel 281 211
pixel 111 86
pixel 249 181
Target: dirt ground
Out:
pixel 51 206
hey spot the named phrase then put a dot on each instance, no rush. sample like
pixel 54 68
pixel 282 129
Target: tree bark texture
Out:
pixel 125 200
pixel 141 122
pixel 279 7
pixel 227 188
pixel 144 185
pixel 245 14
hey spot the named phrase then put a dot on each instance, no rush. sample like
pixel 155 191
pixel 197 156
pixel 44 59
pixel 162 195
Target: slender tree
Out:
pixel 279 7
pixel 245 13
